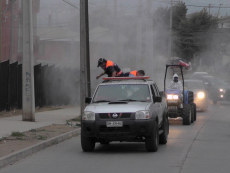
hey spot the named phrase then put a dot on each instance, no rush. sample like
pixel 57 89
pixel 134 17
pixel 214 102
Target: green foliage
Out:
pixel 194 34
pixel 17 134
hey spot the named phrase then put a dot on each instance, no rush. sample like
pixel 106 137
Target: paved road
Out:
pixel 202 147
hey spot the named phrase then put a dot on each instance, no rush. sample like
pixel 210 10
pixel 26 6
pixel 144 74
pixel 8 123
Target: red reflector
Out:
pixel 125 78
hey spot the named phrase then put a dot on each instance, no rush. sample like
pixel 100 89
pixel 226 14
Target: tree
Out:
pixel 194 34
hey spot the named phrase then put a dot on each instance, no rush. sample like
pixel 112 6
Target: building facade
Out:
pixel 11 29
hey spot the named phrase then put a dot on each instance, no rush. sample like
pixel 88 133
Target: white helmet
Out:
pixel 175 77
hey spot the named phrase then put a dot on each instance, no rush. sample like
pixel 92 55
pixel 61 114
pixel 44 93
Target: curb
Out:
pixel 11 158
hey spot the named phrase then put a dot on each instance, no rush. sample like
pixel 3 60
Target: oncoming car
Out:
pixel 198 75
pixel 217 89
pixel 125 109
pixel 200 94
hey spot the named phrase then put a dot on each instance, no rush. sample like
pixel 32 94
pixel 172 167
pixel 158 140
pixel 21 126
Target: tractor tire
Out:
pixel 192 114
pixel 187 115
pixel 87 144
pixel 152 142
pixel 163 138
pixel 190 98
pixel 194 107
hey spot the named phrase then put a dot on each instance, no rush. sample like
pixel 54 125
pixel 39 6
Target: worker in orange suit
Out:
pixel 135 73
pixel 110 68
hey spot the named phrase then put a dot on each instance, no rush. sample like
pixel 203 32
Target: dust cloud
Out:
pixel 125 34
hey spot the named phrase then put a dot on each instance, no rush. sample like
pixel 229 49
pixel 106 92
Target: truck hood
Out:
pixel 117 108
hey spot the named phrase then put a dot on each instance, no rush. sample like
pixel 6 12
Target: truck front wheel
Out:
pixel 87 144
pixel 152 142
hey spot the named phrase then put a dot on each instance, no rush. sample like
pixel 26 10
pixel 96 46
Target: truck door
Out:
pixel 157 105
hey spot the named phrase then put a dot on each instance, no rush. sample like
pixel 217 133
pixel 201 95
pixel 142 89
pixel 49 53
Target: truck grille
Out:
pixel 104 116
pixel 108 115
pixel 125 115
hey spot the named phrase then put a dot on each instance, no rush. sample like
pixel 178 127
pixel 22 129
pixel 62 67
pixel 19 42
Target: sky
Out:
pixel 131 5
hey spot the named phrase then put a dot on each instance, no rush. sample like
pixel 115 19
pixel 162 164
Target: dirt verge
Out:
pixel 18 141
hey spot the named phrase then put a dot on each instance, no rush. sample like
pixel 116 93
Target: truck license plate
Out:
pixel 114 123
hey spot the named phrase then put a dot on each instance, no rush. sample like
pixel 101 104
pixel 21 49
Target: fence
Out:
pixel 52 85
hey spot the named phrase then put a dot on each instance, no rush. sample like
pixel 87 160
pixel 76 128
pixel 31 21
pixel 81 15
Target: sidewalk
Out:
pixel 42 119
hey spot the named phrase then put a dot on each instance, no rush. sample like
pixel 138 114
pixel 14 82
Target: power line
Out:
pixel 206 6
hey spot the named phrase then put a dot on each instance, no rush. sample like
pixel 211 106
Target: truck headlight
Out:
pixel 222 90
pixel 142 115
pixel 88 116
pixel 200 95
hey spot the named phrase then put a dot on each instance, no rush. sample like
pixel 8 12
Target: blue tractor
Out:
pixel 180 103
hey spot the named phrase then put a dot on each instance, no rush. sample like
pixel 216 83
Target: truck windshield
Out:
pixel 122 92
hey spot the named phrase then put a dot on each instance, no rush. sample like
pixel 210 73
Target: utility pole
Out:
pixel 209 6
pixel 170 33
pixel 116 33
pixel 87 49
pixel 1 33
pixel 138 62
pixel 12 30
pixel 219 10
pixel 84 51
pixel 28 101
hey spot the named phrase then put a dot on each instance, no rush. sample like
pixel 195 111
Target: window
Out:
pixel 123 92
pixel 153 91
pixel 157 90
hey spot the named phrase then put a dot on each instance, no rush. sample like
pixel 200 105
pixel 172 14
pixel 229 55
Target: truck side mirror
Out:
pixel 88 100
pixel 157 99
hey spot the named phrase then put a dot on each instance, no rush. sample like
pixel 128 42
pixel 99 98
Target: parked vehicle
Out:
pixel 200 94
pixel 180 103
pixel 125 109
pixel 218 90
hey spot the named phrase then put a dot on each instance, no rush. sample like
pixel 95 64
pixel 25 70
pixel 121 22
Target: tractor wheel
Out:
pixel 192 113
pixel 187 115
pixel 194 107
pixel 190 98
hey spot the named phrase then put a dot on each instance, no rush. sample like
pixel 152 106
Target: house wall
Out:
pixel 51 51
pixel 16 29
